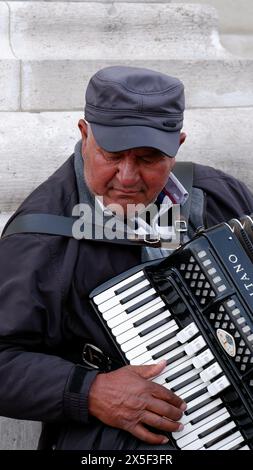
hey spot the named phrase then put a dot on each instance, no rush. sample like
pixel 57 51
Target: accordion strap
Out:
pixel 60 225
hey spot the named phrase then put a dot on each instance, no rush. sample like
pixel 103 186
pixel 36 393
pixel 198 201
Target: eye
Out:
pixel 152 159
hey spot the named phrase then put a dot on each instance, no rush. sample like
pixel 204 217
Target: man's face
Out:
pixel 134 176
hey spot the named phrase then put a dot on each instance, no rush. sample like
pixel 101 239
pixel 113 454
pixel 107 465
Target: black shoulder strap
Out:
pixel 184 172
pixel 59 225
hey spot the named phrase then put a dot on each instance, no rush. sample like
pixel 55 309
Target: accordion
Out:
pixel 194 309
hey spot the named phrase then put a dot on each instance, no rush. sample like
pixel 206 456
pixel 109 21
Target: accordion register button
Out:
pixel 187 333
pixel 202 359
pixel 218 385
pixel 221 288
pixel 210 372
pixel 230 303
pixel 201 254
pixel 195 346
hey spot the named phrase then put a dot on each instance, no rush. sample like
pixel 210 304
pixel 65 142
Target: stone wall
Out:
pixel 48 52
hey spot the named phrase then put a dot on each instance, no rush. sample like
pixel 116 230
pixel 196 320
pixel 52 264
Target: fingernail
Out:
pixel 181 427
pixel 165 440
pixel 183 406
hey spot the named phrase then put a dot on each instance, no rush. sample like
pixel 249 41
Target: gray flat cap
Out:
pixel 131 107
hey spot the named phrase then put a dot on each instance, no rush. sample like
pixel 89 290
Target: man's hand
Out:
pixel 126 399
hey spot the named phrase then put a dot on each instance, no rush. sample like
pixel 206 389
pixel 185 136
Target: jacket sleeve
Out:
pixel 35 383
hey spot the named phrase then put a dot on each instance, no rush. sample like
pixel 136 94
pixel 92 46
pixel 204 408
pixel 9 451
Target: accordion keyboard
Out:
pixel 149 320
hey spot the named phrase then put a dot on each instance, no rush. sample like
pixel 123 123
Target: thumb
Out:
pixel 150 370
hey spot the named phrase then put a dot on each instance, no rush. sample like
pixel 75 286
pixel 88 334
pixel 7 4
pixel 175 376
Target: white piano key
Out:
pixel 201 425
pixel 147 357
pixel 187 333
pixel 203 358
pixel 198 400
pixel 113 323
pixel 188 375
pixel 178 368
pixel 136 352
pixel 201 411
pixel 160 379
pixel 210 372
pixel 222 445
pixel 190 392
pixel 142 345
pixel 115 300
pixel 198 443
pixel 135 315
pixel 244 448
pixel 111 312
pixel 218 385
pixel 188 387
pixel 194 346
pixel 193 437
pixel 145 340
pixel 107 294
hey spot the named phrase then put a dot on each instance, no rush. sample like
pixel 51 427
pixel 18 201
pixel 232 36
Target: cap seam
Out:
pixel 138 92
pixel 116 111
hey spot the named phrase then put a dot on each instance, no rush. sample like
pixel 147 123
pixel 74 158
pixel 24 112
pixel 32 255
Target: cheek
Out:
pixel 158 178
pixel 99 178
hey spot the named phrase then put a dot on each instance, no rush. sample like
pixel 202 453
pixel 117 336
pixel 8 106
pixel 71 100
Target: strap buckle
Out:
pixel 152 241
pixel 95 358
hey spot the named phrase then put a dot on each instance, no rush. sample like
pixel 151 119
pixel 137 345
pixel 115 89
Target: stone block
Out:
pixel 9 85
pixel 19 435
pixel 6 51
pixel 88 31
pixel 59 85
pixel 240 45
pixel 218 137
pixel 32 147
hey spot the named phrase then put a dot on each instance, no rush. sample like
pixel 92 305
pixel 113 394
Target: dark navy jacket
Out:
pixel 45 316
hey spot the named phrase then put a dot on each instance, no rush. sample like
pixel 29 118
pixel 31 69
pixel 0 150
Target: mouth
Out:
pixel 126 192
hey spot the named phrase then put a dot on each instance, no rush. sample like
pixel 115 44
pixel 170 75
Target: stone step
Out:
pixel 59 85
pixel 90 31
pixel 9 66
pixel 19 435
pixel 35 144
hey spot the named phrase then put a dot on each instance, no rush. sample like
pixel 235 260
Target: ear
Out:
pixel 182 137
pixel 83 127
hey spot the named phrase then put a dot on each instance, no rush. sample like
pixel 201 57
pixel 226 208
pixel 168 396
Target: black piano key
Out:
pixel 130 284
pixel 184 383
pixel 214 428
pixel 166 350
pixel 238 446
pixel 154 327
pixel 175 358
pixel 219 438
pixel 195 395
pixel 141 303
pixel 206 414
pixel 149 317
pixel 180 372
pixel 161 340
pixel 199 405
pixel 134 294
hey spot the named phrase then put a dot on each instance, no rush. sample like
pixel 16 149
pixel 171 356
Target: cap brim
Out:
pixel 118 138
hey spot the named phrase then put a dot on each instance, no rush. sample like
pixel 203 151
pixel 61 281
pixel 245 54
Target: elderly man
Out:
pixel 131 135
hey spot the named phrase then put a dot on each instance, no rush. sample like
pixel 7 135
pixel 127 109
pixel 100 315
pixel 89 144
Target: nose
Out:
pixel 128 172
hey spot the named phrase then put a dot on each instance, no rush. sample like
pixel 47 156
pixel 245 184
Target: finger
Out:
pixel 150 370
pixel 164 409
pixel 163 393
pixel 143 434
pixel 160 422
